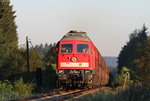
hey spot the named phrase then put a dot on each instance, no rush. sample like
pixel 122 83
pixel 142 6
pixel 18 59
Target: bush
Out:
pixel 23 89
pixel 13 90
pixel 6 91
pixel 120 79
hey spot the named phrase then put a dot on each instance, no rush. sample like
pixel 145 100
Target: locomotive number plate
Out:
pixel 70 64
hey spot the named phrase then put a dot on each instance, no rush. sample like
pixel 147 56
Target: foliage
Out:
pixel 133 48
pixel 42 49
pixel 47 53
pixel 142 64
pixel 17 89
pixel 35 61
pixel 10 66
pixel 135 55
pixel 23 89
pixel 50 57
pixel 7 25
pixel 8 41
pixel 120 79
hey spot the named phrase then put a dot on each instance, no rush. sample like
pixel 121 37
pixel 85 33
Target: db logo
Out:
pixel 74 59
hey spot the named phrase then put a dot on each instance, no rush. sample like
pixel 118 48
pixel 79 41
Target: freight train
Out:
pixel 79 63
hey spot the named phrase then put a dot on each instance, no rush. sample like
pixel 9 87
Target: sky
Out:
pixel 108 23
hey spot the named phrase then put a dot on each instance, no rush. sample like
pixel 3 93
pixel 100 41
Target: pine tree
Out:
pixel 133 48
pixel 136 56
pixel 8 40
pixel 142 65
pixel 7 25
pixel 50 56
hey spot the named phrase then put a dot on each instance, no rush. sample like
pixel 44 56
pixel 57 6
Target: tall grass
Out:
pixel 130 94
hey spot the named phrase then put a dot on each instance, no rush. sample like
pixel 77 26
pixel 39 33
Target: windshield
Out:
pixel 66 48
pixel 82 48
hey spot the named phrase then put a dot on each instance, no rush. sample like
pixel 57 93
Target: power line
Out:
pixel 35 51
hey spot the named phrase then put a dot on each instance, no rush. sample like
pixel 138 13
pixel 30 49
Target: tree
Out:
pixel 42 49
pixel 35 60
pixel 50 57
pixel 132 49
pixel 136 56
pixel 8 40
pixel 142 65
pixel 7 25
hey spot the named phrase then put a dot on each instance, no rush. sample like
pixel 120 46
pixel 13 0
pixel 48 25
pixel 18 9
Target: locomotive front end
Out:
pixel 74 67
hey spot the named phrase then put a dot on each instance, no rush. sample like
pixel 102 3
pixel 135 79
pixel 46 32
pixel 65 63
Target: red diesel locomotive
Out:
pixel 79 63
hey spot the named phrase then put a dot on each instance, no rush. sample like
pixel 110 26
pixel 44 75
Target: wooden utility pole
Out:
pixel 28 62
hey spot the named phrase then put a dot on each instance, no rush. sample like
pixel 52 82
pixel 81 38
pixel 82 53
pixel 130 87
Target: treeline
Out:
pixel 47 52
pixel 135 57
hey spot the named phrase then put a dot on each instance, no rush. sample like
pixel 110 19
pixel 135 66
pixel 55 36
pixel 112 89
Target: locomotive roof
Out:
pixel 76 35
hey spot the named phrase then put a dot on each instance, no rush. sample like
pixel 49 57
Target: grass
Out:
pixel 130 94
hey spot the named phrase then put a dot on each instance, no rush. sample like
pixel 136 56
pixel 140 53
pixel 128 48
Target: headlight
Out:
pixel 60 71
pixel 89 72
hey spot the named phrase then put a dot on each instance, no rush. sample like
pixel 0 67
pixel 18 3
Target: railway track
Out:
pixel 61 96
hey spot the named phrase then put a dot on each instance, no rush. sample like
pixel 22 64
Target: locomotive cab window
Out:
pixel 82 48
pixel 66 48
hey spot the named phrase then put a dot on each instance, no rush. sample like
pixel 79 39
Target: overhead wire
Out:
pixel 35 50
